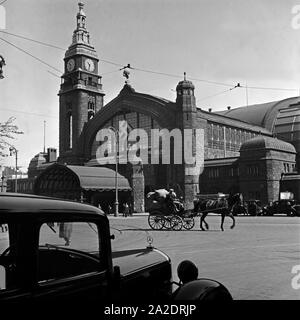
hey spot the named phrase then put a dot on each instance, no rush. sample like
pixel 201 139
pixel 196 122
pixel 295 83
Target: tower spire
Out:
pixel 80 34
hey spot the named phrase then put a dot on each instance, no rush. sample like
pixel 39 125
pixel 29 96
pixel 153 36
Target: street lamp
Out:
pixel 2 183
pixel 116 131
pixel 13 150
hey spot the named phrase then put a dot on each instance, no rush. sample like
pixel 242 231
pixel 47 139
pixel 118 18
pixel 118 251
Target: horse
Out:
pixel 220 205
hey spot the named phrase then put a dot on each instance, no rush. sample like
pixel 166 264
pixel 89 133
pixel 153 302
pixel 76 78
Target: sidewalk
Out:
pixel 134 215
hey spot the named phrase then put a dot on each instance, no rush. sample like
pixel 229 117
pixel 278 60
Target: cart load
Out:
pixel 156 200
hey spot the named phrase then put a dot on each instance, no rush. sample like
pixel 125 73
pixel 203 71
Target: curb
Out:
pixel 134 215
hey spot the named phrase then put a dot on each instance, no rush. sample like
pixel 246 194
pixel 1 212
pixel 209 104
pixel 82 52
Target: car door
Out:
pixel 14 286
pixel 69 264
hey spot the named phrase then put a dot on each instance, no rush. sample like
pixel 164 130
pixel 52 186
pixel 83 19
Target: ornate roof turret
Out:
pixel 185 98
pixel 185 86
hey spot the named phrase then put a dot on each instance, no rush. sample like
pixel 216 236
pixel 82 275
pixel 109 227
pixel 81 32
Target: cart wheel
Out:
pixel 188 223
pixel 156 221
pixel 168 222
pixel 176 223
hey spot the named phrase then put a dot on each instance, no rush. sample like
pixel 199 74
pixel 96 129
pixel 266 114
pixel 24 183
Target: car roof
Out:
pixel 25 203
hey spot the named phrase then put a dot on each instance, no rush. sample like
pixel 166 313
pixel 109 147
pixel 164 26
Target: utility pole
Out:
pixel 44 136
pixel 14 151
pixel 247 94
pixel 116 131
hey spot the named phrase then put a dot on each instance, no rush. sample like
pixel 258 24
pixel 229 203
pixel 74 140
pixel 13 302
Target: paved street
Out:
pixel 254 260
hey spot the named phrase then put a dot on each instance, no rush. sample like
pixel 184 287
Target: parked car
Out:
pixel 284 206
pixel 296 207
pixel 61 250
pixel 254 207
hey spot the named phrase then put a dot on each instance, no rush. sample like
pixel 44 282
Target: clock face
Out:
pixel 89 65
pixel 70 65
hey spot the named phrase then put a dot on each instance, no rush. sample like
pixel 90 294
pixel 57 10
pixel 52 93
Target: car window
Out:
pixel 4 240
pixel 67 249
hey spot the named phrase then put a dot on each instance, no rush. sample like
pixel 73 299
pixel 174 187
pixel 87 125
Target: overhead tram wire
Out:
pixel 265 88
pixel 31 55
pixel 30 113
pixel 104 60
pixel 180 76
pixel 29 39
pixel 52 46
pixel 110 62
pixel 55 75
pixel 208 81
pixel 137 69
pixel 214 95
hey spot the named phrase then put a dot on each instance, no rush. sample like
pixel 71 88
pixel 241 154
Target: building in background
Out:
pixel 37 165
pixel 243 148
pixel 254 149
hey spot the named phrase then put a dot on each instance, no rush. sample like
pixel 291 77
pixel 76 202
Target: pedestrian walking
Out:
pixel 65 231
pixel 126 209
pixel 130 209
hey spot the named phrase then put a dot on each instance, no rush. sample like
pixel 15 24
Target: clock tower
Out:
pixel 81 94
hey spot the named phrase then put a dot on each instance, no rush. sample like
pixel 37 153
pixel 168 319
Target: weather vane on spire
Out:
pixel 126 72
pixel 81 5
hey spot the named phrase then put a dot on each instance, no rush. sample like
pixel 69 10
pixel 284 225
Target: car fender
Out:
pixel 204 290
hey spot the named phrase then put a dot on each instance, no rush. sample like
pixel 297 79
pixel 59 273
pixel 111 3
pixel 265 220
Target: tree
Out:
pixel 8 130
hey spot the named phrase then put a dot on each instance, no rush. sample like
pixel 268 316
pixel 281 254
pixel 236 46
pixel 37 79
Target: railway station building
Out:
pixel 252 149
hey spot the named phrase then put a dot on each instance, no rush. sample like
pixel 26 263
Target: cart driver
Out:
pixel 171 197
pixel 172 194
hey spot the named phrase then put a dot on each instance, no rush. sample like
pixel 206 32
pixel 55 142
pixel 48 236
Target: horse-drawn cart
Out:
pixel 166 215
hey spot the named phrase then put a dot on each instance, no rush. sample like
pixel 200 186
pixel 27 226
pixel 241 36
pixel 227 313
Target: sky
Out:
pixel 223 42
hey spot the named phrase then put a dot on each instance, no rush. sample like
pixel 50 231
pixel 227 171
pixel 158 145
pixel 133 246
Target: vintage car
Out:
pixel 296 208
pixel 254 207
pixel 40 261
pixel 283 206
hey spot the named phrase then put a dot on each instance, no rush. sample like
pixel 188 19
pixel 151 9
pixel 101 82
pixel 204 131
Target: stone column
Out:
pixel 138 188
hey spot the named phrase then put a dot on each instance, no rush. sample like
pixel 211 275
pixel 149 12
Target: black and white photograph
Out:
pixel 149 153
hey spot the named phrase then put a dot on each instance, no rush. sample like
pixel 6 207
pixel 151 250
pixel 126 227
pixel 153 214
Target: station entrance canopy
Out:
pixel 67 181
